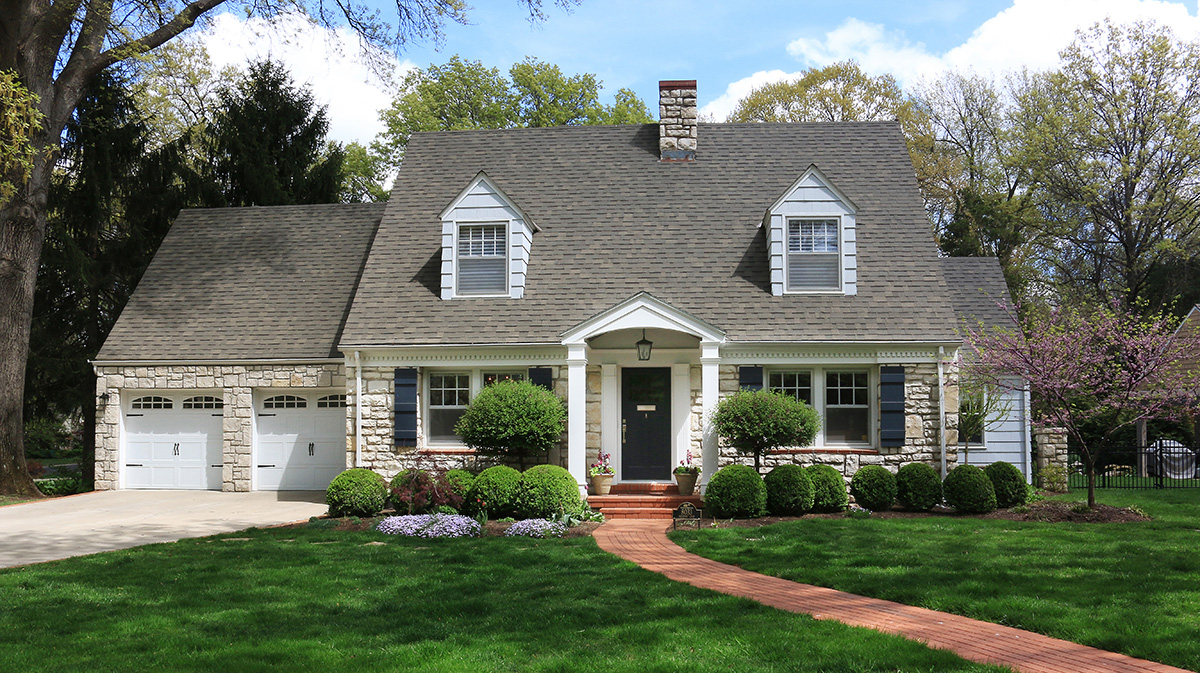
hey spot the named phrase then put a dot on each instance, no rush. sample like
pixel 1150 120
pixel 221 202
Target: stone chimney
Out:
pixel 677 120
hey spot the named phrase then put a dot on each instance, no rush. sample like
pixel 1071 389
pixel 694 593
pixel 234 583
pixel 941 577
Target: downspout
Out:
pixel 942 405
pixel 358 392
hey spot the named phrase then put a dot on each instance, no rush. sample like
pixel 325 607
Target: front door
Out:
pixel 646 423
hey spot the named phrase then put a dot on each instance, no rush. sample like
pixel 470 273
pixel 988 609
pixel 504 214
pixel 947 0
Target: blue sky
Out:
pixel 728 47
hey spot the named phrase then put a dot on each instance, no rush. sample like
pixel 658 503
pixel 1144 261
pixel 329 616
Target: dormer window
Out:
pixel 811 239
pixel 482 262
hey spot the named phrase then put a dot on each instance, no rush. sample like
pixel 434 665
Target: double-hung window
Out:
pixel 482 259
pixel 793 384
pixel 451 392
pixel 813 262
pixel 847 411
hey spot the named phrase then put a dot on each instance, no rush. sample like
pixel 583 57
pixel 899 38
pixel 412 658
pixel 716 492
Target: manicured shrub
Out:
pixel 1008 483
pixel 968 490
pixel 419 491
pixel 874 488
pixel 513 419
pixel 494 491
pixel 756 421
pixel 546 490
pixel 789 491
pixel 829 489
pixel 736 492
pixel 918 487
pixel 356 492
pixel 460 481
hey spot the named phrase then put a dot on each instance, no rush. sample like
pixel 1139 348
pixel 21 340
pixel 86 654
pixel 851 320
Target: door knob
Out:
pixel 310 448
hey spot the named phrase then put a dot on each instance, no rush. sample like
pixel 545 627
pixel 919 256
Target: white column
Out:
pixel 710 388
pixel 577 413
pixel 681 409
pixel 610 415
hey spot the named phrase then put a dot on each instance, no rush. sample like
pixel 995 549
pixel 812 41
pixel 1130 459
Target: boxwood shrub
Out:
pixel 789 491
pixel 829 489
pixel 918 487
pixel 546 490
pixel 495 491
pixel 874 488
pixel 1008 483
pixel 968 490
pixel 736 492
pixel 356 492
pixel 460 481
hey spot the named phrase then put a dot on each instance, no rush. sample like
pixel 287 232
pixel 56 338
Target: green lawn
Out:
pixel 1132 588
pixel 321 600
pixel 13 499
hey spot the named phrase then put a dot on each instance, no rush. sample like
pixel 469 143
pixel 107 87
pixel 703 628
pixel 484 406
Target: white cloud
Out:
pixel 1029 34
pixel 327 61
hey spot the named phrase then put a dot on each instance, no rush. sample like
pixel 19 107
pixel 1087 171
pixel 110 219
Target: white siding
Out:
pixel 812 196
pixel 482 202
pixel 1006 440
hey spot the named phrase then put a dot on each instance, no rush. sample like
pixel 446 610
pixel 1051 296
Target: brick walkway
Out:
pixel 646 544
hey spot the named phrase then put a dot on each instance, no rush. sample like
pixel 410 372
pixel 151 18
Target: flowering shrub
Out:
pixel 537 528
pixel 857 512
pixel 430 525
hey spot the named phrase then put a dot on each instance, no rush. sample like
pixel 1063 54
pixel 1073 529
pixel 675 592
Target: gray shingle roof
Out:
pixel 977 288
pixel 615 221
pixel 247 283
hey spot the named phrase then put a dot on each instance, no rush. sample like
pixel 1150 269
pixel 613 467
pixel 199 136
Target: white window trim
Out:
pixel 817 373
pixel 475 384
pixel 841 254
pixel 506 244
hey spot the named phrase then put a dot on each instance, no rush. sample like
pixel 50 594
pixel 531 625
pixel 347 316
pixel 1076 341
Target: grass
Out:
pixel 14 499
pixel 1128 588
pixel 314 599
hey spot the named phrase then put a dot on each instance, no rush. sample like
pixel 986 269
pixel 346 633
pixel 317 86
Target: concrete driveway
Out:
pixel 47 530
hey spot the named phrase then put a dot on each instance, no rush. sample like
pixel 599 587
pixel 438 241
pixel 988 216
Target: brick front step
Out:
pixel 642 501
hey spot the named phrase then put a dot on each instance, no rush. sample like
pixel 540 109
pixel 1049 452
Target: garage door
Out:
pixel 173 441
pixel 301 441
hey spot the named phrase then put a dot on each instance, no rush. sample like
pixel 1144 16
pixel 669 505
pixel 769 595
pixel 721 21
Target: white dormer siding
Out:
pixel 479 226
pixel 811 240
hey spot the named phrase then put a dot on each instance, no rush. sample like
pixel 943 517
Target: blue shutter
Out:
pixel 891 407
pixel 750 378
pixel 542 376
pixel 406 407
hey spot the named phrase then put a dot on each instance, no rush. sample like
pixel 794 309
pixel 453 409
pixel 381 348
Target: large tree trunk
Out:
pixel 22 229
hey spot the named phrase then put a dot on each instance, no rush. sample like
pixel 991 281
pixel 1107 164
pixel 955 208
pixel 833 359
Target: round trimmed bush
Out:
pixel 547 490
pixel 968 490
pixel 736 492
pixel 789 491
pixel 513 419
pixel 829 489
pixel 495 491
pixel 1008 483
pixel 356 492
pixel 460 481
pixel 918 487
pixel 874 488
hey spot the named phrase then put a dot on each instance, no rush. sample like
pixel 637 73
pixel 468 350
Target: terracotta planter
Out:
pixel 686 482
pixel 600 484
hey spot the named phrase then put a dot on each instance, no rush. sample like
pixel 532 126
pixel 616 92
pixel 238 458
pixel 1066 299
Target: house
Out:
pixel 640 272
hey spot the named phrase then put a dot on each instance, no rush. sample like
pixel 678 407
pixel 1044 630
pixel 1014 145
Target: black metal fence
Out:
pixel 1162 464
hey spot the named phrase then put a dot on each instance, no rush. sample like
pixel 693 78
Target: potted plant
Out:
pixel 685 475
pixel 600 475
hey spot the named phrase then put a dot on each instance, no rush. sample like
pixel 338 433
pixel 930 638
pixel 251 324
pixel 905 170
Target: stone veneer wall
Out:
pixel 379 452
pixel 237 383
pixel 1051 452
pixel 921 443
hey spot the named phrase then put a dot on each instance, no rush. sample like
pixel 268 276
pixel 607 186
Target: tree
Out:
pixel 1106 369
pixel 1113 138
pixel 755 422
pixel 55 49
pixel 178 90
pixel 267 143
pixel 363 175
pixel 513 419
pixel 20 120
pixel 460 95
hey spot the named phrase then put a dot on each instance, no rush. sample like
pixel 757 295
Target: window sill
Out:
pixel 834 451
pixel 446 451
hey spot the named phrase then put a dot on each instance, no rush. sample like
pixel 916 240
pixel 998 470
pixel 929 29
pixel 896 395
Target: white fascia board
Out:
pixel 643 310
pixel 812 170
pixel 474 356
pixel 482 176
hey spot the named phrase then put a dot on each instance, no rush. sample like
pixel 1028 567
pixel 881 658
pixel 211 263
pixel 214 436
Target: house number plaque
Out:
pixel 647 407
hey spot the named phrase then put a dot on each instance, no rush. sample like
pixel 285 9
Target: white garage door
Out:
pixel 173 441
pixel 301 441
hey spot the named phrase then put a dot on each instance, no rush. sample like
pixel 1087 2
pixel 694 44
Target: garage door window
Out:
pixel 331 402
pixel 285 402
pixel 152 402
pixel 204 402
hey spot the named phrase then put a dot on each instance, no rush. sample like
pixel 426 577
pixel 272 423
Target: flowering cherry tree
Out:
pixel 1106 367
